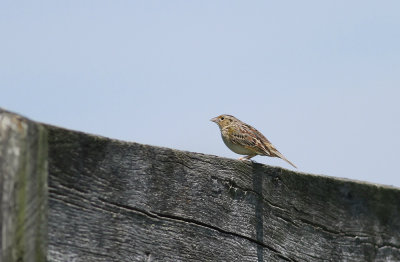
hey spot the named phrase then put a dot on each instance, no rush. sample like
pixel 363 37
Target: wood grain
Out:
pixel 117 201
pixel 71 196
pixel 23 189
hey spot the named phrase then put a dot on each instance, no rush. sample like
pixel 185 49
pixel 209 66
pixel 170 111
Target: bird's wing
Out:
pixel 269 149
pixel 263 143
pixel 250 138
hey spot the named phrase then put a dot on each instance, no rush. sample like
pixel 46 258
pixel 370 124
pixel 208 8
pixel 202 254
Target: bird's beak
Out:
pixel 215 119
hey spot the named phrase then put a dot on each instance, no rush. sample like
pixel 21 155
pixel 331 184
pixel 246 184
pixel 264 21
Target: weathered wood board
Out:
pixel 23 189
pixel 144 203
pixel 111 200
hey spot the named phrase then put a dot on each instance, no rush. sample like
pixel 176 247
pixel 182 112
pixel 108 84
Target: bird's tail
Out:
pixel 278 154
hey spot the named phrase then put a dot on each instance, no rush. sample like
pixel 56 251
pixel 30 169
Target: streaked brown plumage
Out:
pixel 244 139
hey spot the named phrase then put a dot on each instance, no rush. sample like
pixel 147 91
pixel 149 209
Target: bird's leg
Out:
pixel 246 157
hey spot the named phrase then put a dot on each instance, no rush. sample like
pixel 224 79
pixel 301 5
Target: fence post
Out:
pixel 23 189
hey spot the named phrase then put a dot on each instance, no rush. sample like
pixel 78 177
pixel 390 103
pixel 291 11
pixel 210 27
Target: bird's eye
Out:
pixel 222 118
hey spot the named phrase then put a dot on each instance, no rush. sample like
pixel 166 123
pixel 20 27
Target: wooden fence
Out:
pixel 71 196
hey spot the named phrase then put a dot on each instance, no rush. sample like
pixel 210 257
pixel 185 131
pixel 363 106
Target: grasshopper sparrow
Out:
pixel 244 139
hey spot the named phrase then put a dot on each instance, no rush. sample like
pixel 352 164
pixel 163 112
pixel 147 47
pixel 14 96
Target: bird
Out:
pixel 244 139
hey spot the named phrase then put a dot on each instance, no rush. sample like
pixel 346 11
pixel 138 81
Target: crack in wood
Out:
pixel 195 222
pixel 232 184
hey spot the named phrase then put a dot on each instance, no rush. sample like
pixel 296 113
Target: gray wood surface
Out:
pixel 117 201
pixel 111 200
pixel 23 189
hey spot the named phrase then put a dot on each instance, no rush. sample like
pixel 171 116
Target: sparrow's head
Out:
pixel 224 120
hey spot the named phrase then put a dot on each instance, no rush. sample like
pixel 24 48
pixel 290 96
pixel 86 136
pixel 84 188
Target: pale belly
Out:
pixel 236 148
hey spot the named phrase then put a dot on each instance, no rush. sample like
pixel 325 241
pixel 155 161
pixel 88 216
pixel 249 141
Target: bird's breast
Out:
pixel 238 149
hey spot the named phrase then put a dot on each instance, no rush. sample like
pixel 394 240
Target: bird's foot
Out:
pixel 246 158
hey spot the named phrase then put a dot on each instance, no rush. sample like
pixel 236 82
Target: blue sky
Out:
pixel 320 79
